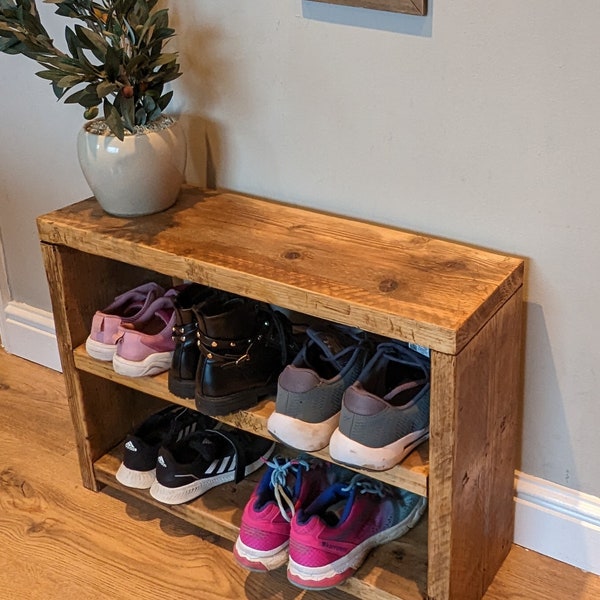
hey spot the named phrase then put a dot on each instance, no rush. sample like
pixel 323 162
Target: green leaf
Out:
pixel 113 120
pixel 112 64
pixel 165 59
pixel 136 64
pixel 126 107
pixel 148 103
pixel 163 101
pixel 92 41
pixel 50 74
pixel 68 81
pixel 113 43
pixel 141 118
pixel 86 65
pixel 58 92
pixel 63 9
pixel 72 42
pixel 105 88
pixel 85 97
pixel 154 114
pixel 6 44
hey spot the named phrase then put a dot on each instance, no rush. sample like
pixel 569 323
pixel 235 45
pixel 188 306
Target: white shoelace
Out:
pixel 279 484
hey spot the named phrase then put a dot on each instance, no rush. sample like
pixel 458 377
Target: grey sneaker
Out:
pixel 385 413
pixel 310 390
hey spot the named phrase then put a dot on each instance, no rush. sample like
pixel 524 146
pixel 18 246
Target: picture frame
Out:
pixel 410 7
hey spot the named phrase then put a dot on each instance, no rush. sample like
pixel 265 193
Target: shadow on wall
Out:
pixel 553 516
pixel 205 81
pixel 543 420
pixel 370 19
pixel 204 151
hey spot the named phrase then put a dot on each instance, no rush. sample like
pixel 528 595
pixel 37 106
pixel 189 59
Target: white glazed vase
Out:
pixel 140 175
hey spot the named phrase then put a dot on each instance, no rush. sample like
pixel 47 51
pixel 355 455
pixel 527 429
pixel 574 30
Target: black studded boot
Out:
pixel 184 364
pixel 244 345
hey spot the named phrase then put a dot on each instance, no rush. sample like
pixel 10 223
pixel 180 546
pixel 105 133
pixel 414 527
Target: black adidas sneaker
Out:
pixel 142 446
pixel 189 468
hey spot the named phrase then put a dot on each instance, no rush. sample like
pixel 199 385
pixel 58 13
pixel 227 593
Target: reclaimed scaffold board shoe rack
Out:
pixel 462 303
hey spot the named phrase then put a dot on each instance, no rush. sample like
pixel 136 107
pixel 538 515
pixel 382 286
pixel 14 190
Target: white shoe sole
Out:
pixel 309 577
pixel 151 365
pixel 349 452
pixel 301 435
pixel 140 480
pixel 261 560
pixel 100 351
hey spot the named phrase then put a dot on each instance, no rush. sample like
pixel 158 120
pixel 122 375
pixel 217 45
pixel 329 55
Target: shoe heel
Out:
pixel 182 388
pixel 224 405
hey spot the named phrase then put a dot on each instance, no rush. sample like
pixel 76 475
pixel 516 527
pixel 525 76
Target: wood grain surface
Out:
pixel 396 283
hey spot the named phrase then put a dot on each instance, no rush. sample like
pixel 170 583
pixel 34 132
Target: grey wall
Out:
pixel 478 123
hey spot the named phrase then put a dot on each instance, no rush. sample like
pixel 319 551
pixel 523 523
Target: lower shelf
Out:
pixel 394 571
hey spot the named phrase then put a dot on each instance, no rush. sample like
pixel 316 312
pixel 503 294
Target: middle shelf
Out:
pixel 412 474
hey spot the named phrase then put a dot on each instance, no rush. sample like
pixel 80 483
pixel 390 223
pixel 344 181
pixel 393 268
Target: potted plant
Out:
pixel 114 58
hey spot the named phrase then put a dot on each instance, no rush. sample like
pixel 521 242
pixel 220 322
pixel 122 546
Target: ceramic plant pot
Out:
pixel 140 175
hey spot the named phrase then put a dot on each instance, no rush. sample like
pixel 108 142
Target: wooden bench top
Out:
pixel 433 292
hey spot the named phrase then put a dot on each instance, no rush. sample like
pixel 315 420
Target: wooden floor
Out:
pixel 61 541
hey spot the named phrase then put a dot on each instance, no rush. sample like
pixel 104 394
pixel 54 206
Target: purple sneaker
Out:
pixel 101 344
pixel 146 346
pixel 331 538
pixel 288 484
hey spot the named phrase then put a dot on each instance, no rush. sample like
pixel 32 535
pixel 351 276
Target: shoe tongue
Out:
pixel 330 346
pixel 234 319
pixel 204 446
pixel 404 393
pixel 337 510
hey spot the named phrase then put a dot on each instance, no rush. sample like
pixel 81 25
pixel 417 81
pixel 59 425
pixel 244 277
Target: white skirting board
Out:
pixel 550 519
pixel 29 332
pixel 557 521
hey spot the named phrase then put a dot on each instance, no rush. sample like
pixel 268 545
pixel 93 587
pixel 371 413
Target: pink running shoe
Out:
pixel 101 344
pixel 146 345
pixel 262 544
pixel 331 538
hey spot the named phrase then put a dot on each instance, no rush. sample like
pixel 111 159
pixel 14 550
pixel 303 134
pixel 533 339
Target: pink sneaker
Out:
pixel 262 544
pixel 146 345
pixel 101 344
pixel 331 538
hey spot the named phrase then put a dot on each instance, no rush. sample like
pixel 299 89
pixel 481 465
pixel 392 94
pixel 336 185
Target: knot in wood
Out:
pixel 292 254
pixel 388 285
pixel 455 265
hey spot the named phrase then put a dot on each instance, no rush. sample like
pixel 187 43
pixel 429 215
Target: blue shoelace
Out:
pixel 365 486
